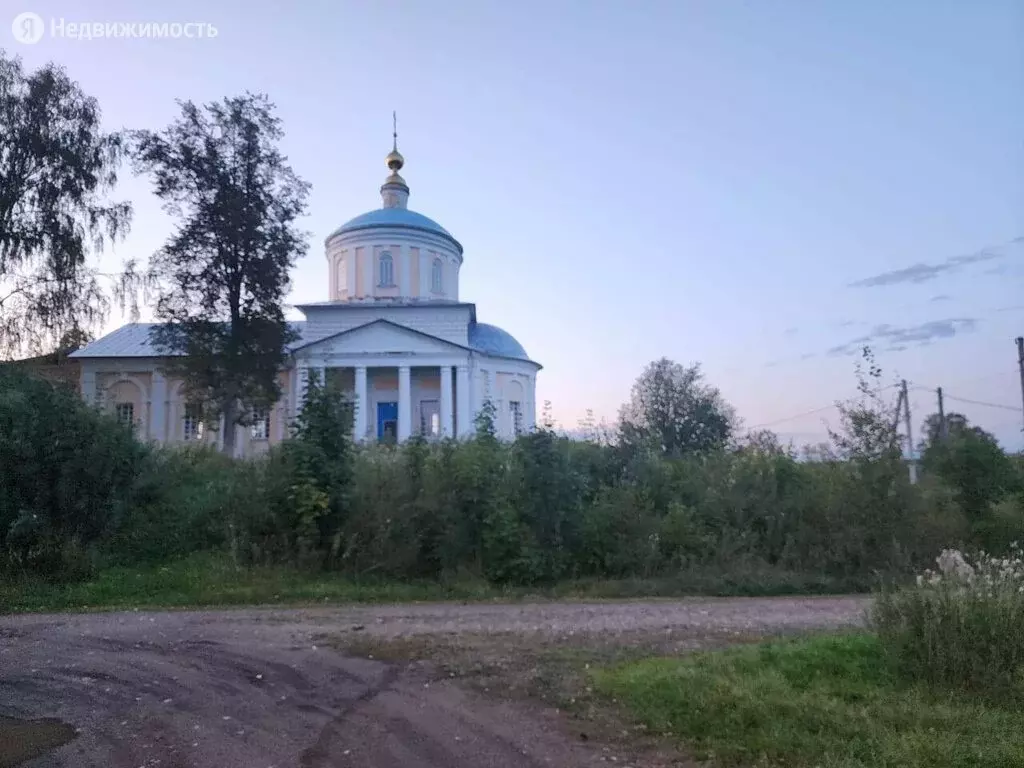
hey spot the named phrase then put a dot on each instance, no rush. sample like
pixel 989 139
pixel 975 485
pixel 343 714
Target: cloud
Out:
pixel 791 331
pixel 941 297
pixel 808 355
pixel 1012 308
pixel 922 273
pixel 898 339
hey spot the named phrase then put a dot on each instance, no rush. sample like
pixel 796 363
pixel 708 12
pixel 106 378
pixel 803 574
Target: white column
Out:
pixel 489 393
pixel 446 401
pixel 158 408
pixel 362 406
pixel 404 272
pixel 404 402
pixel 280 417
pixel 369 270
pixel 303 386
pixel 465 424
pixel 321 376
pixel 425 261
pixel 88 385
pixel 350 278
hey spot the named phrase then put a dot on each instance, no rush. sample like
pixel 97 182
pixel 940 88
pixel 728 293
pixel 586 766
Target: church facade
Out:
pixel 394 335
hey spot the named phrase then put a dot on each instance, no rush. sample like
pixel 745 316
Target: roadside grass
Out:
pixel 826 702
pixel 209 580
pixel 213 580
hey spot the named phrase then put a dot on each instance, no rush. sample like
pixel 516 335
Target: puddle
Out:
pixel 23 740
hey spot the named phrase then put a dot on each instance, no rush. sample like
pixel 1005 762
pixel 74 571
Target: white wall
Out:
pixel 355 254
pixel 445 322
pixel 503 380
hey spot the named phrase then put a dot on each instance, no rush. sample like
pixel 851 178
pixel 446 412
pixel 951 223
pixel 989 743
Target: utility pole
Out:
pixel 943 432
pixel 1020 363
pixel 898 412
pixel 910 434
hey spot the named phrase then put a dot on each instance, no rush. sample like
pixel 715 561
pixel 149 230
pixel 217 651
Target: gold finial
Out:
pixel 394 159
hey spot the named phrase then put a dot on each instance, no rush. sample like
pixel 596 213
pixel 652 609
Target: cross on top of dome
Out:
pixel 395 192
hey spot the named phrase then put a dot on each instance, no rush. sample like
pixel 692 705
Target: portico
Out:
pixel 397 397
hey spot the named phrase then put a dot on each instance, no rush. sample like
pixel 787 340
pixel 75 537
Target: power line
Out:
pixel 984 404
pixel 794 417
pixel 809 413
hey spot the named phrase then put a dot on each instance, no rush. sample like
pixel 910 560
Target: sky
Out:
pixel 760 188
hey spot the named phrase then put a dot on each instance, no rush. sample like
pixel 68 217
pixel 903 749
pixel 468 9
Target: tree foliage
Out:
pixel 57 168
pixel 968 459
pixel 223 274
pixel 868 431
pixel 674 413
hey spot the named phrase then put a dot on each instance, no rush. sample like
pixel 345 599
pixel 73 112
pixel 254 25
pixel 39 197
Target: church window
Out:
pixel 430 418
pixel 192 426
pixel 125 413
pixel 386 270
pixel 260 429
pixel 437 277
pixel 515 412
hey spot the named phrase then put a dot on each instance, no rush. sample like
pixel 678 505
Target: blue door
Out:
pixel 387 421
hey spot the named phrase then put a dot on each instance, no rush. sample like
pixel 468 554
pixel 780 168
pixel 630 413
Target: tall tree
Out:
pixel 868 424
pixel 672 411
pixel 969 460
pixel 57 168
pixel 223 275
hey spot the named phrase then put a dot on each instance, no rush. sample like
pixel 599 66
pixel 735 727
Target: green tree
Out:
pixel 57 168
pixel 673 412
pixel 223 275
pixel 969 460
pixel 67 474
pixel 868 424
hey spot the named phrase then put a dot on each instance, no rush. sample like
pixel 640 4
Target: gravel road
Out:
pixel 258 688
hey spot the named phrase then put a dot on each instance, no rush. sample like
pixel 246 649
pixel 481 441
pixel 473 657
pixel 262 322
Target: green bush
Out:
pixel 67 474
pixel 75 487
pixel 960 626
pixel 185 500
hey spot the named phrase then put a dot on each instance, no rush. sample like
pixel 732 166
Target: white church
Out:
pixel 394 335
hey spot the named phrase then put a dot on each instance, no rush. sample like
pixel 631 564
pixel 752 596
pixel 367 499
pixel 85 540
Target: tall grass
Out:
pixel 959 626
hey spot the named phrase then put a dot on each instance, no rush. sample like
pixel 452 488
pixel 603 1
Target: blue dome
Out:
pixel 495 341
pixel 395 217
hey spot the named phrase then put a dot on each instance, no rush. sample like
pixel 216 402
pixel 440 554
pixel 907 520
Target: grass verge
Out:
pixel 828 702
pixel 208 580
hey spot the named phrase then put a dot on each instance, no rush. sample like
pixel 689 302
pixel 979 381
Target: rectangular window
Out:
pixel 125 413
pixel 193 422
pixel 260 429
pixel 430 418
pixel 515 413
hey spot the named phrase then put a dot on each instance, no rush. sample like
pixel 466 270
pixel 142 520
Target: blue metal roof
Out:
pixel 493 340
pixel 134 340
pixel 395 217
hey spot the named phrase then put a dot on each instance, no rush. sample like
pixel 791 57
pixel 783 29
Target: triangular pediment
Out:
pixel 380 337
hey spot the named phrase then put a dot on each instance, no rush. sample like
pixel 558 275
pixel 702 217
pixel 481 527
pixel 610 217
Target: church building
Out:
pixel 393 334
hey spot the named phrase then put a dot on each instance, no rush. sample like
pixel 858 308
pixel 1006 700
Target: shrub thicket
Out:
pixel 77 488
pixel 961 625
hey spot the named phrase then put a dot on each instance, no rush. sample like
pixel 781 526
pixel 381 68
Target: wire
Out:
pixel 791 418
pixel 984 404
pixel 811 412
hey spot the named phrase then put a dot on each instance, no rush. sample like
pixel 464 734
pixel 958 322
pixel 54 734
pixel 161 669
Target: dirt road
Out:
pixel 260 689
